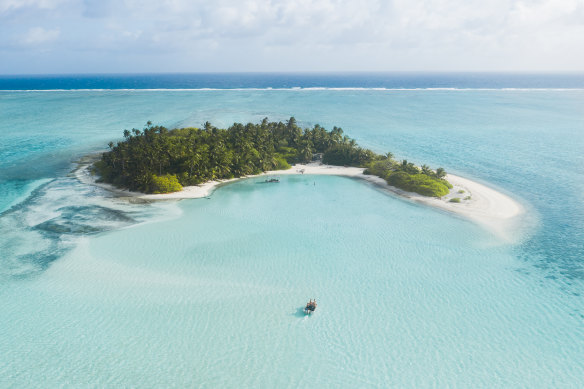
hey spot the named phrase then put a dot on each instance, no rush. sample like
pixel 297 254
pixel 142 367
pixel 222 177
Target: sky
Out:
pixel 142 36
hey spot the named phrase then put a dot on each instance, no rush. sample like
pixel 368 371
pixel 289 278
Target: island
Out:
pixel 188 163
pixel 157 160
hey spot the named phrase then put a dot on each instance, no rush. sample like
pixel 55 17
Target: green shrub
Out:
pixel 184 178
pixel 165 184
pixel 418 183
pixel 455 200
pixel 467 198
pixel 461 191
pixel 282 164
pixel 380 168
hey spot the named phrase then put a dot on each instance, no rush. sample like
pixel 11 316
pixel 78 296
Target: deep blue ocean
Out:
pixel 97 290
pixel 300 80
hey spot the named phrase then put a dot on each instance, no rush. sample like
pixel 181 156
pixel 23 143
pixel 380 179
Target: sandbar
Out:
pixel 479 203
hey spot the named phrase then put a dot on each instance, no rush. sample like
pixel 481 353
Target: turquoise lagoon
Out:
pixel 96 291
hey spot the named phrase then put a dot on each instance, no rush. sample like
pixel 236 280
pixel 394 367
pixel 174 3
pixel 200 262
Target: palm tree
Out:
pixel 306 152
pixel 207 126
pixel 336 135
pixel 427 171
pixel 440 173
pixel 409 167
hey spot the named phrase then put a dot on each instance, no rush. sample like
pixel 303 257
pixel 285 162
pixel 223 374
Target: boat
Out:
pixel 310 307
pixel 272 180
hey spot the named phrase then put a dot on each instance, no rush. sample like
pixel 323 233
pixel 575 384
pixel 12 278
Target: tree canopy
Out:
pixel 159 160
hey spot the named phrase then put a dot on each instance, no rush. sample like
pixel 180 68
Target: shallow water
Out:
pixel 214 297
pixel 98 291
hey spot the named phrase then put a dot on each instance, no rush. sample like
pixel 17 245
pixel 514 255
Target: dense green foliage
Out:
pixel 348 154
pixel 158 160
pixel 165 184
pixel 407 176
pixel 419 183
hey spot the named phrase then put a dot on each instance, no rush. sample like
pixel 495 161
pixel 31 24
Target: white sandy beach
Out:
pixel 486 206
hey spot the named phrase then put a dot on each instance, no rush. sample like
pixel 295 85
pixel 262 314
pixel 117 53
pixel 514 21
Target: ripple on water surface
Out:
pixel 408 296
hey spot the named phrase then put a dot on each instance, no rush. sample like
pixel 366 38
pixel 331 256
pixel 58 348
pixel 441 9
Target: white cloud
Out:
pixel 7 5
pixel 38 35
pixel 313 34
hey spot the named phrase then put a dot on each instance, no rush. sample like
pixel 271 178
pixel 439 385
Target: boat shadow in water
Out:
pixel 300 312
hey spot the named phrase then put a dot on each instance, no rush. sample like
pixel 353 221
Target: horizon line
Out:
pixel 315 72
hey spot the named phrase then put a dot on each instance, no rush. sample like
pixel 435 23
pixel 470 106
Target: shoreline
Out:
pixel 487 207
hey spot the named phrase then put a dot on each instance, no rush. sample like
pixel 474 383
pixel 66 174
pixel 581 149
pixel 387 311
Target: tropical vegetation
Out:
pixel 159 160
pixel 407 176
